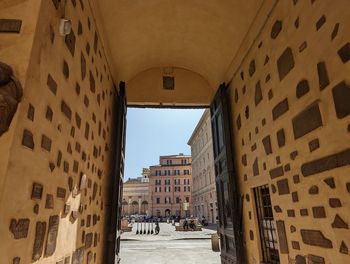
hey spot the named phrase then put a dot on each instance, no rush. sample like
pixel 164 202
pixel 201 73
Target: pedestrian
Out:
pixel 185 225
pixel 157 229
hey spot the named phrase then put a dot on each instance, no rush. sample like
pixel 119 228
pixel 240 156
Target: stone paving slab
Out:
pixel 168 252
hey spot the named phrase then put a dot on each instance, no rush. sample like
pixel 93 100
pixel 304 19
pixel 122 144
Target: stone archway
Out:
pixel 135 207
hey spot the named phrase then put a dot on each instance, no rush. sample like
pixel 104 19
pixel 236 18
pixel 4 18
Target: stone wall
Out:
pixel 290 102
pixel 54 186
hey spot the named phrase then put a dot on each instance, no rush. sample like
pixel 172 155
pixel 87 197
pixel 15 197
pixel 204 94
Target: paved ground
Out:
pixel 169 247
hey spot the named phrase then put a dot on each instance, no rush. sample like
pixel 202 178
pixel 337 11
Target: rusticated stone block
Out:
pixel 49 201
pixel 291 213
pixel 27 139
pixel 78 120
pixel 46 143
pixel 95 42
pixel 253 147
pixel 66 110
pixel 31 112
pixel 279 109
pixel 307 121
pixel 315 259
pixel 276 172
pixel 258 93
pixel 283 187
pixel 318 212
pixel 344 53
pixel 10 25
pixel 339 223
pixel 37 191
pixel 251 235
pixel 293 155
pixel 65 69
pixel 70 42
pixel 320 22
pixel 304 212
pixel 314 144
pixel 49 113
pixel 302 46
pixel 244 160
pixel 40 231
pixel 295 245
pixel 52 235
pixel 281 138
pixel 282 237
pixel 330 182
pixel 295 197
pixel 83 66
pixel 296 178
pixel 19 228
pixel 278 209
pixel 344 248
pixel 285 63
pixel 302 88
pixel 335 32
pixel 323 79
pixel 315 238
pixel 276 29
pixel 251 68
pixel 330 162
pixel 341 99
pixel 94 191
pixel 334 202
pixel 256 167
pixel 267 145
pixel 61 193
pixel 92 83
pixel 313 190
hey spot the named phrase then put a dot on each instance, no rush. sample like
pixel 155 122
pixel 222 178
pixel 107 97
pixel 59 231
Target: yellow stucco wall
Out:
pixel 256 114
pixel 84 151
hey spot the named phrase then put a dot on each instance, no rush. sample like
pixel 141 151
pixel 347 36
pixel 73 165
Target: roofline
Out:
pixel 199 124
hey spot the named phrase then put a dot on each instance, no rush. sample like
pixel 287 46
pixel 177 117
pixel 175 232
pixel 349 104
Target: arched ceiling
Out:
pixel 201 36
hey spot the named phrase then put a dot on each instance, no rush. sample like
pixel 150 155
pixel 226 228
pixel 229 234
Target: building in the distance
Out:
pixel 135 195
pixel 204 188
pixel 170 186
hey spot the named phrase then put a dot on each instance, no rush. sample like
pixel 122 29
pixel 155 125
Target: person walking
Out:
pixel 157 229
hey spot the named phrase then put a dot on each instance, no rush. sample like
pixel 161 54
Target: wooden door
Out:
pixel 114 205
pixel 230 215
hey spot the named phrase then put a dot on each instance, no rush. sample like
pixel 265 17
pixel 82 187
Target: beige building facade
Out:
pixel 203 173
pixel 285 65
pixel 170 186
pixel 136 195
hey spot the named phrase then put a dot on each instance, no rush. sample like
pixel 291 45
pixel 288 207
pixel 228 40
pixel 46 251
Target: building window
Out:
pixel 177 189
pixel 187 199
pixel 176 172
pixel 187 181
pixel 177 181
pixel 268 236
pixel 158 200
pixel 158 173
pixel 167 200
pixel 169 162
pixel 186 172
pixel 178 200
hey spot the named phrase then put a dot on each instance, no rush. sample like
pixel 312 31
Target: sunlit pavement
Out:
pixel 169 246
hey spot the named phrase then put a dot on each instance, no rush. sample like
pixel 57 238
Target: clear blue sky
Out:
pixel 151 133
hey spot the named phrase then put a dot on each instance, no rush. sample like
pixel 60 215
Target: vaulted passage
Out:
pixel 275 75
